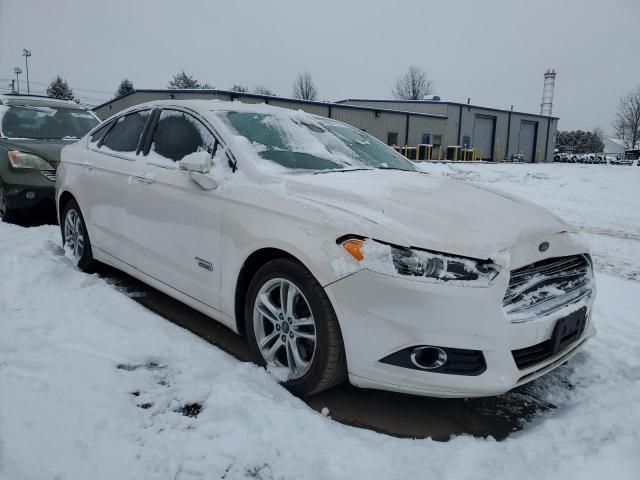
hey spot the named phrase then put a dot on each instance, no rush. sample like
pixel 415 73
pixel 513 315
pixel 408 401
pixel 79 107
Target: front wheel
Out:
pixel 290 323
pixel 6 214
pixel 75 238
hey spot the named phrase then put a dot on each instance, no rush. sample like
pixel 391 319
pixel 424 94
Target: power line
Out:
pixel 33 82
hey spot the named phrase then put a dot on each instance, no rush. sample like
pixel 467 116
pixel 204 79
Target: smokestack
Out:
pixel 547 92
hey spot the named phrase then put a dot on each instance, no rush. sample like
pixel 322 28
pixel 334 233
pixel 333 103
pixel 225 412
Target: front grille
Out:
pixel 50 174
pixel 566 332
pixel 546 286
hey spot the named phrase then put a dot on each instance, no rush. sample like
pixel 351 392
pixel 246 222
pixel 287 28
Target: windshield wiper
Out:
pixel 341 170
pixel 396 168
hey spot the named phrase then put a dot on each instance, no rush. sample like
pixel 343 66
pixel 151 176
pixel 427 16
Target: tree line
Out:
pixel 413 85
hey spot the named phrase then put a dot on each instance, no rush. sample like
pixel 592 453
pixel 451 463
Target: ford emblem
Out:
pixel 543 247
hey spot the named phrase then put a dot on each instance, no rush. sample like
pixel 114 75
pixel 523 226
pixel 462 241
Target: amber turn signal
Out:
pixel 354 247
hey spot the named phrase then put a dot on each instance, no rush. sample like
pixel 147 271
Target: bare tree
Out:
pixel 260 90
pixel 413 85
pixel 627 122
pixel 304 88
pixel 238 87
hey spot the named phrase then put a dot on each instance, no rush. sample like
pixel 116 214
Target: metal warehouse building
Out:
pixel 421 129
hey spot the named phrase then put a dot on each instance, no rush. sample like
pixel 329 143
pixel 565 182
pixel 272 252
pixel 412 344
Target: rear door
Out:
pixel 177 224
pixel 106 185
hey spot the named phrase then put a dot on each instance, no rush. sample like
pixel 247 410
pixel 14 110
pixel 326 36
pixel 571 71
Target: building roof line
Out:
pixel 443 102
pixel 271 97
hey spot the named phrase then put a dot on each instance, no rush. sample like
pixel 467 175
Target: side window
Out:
pixel 178 134
pixel 125 134
pixel 97 135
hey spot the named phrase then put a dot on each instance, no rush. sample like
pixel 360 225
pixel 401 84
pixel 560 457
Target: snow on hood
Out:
pixel 432 213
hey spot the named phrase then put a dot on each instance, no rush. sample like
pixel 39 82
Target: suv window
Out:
pixel 125 134
pixel 178 134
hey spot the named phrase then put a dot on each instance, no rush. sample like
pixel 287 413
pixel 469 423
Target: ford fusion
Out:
pixel 329 251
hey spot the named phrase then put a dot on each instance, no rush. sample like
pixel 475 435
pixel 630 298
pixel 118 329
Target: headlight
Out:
pixel 420 264
pixel 20 159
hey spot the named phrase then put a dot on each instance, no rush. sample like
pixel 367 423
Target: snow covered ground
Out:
pixel 93 385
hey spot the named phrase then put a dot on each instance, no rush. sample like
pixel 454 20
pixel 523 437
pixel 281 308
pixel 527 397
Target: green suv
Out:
pixel 33 131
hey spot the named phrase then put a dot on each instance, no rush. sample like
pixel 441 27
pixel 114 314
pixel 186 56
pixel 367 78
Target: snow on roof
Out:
pixel 38 101
pixel 617 141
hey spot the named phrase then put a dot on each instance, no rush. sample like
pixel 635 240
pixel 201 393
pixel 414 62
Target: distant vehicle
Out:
pixel 328 249
pixel 33 130
pixel 632 155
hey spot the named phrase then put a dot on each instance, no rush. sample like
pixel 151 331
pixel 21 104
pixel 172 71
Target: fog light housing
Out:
pixel 433 359
pixel 30 195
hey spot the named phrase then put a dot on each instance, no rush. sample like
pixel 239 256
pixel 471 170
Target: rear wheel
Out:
pixel 291 324
pixel 75 237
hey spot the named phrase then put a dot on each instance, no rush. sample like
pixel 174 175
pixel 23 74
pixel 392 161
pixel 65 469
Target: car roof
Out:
pixel 38 101
pixel 206 106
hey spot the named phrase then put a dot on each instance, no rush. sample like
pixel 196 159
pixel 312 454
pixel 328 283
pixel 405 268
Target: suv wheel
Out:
pixel 290 323
pixel 75 238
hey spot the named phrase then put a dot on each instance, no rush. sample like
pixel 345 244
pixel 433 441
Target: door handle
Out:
pixel 146 178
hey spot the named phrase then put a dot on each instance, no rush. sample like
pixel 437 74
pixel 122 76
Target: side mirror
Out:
pixel 196 162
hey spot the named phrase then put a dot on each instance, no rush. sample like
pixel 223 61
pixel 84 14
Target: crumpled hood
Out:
pixel 431 212
pixel 47 149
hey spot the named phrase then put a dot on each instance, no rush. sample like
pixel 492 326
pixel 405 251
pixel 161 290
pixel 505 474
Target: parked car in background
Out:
pixel 33 130
pixel 328 249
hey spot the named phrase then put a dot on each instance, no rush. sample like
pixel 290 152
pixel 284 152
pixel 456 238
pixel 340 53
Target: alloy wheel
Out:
pixel 74 233
pixel 284 327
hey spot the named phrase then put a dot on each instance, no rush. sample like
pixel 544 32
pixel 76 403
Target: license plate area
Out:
pixel 568 329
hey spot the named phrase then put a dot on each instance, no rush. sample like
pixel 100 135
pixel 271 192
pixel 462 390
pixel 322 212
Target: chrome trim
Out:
pixel 437 363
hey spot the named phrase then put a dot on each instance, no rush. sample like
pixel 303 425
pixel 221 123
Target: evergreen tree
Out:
pixel 126 87
pixel 59 88
pixel 579 141
pixel 184 80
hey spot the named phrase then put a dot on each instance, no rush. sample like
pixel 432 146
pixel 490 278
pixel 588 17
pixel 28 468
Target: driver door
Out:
pixel 177 224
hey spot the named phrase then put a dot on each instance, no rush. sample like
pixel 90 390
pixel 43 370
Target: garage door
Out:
pixel 483 130
pixel 527 142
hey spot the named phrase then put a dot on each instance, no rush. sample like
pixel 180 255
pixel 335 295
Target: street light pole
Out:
pixel 27 53
pixel 18 71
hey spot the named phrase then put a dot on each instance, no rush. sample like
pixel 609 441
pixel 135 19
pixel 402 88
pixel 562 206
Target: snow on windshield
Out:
pixel 297 140
pixel 39 122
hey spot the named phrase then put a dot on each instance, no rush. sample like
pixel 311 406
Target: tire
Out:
pixel 7 214
pixel 326 364
pixel 75 236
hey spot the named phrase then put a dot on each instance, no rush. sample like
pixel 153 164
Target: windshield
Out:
pixel 44 122
pixel 303 142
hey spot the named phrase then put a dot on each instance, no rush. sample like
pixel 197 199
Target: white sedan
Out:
pixel 332 254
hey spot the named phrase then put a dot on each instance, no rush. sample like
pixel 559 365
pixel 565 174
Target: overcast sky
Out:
pixel 494 51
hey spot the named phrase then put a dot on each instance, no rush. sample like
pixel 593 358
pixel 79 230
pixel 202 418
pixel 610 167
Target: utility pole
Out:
pixel 26 54
pixel 18 71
